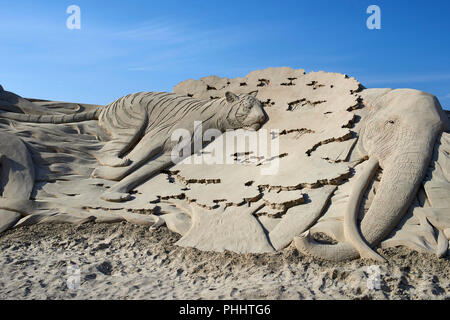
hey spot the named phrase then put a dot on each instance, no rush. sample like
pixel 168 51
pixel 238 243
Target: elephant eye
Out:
pixel 391 121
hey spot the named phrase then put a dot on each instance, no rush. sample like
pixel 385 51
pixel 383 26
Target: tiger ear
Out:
pixel 231 97
pixel 253 93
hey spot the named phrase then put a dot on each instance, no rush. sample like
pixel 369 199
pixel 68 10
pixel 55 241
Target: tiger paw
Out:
pixel 108 173
pixel 116 196
pixel 114 162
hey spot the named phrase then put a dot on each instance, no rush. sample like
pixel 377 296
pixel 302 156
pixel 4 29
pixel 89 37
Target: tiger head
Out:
pixel 245 111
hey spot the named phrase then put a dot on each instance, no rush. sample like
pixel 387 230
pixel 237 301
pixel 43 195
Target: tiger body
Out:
pixel 140 128
pixel 159 114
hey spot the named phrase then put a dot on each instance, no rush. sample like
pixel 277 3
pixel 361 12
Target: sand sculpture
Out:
pixel 140 128
pixel 338 170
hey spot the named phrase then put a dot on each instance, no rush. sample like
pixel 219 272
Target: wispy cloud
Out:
pixel 156 30
pixel 161 62
pixel 170 43
pixel 168 31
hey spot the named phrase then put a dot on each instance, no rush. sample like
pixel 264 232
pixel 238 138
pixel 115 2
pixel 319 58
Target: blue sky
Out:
pixel 129 46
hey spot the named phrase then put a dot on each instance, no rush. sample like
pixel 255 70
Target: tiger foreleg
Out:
pixel 123 139
pixel 119 173
pixel 142 153
pixel 120 191
pixel 109 155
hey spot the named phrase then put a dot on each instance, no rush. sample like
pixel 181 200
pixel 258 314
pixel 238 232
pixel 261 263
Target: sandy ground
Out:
pixel 123 261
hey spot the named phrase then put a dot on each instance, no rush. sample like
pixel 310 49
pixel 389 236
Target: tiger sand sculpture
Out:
pixel 141 125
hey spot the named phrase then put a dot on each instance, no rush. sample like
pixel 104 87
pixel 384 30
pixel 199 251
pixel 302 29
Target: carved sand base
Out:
pixel 252 202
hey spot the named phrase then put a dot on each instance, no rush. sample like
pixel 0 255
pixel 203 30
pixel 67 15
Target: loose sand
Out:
pixel 123 261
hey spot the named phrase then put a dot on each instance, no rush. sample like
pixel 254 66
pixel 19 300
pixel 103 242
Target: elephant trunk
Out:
pixel 403 171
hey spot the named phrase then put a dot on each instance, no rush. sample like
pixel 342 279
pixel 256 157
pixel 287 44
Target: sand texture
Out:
pixel 123 261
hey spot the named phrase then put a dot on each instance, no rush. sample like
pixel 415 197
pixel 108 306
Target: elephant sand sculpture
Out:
pixel 337 122
pixel 398 135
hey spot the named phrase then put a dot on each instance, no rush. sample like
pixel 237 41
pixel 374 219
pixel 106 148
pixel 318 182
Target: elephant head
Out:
pixel 398 134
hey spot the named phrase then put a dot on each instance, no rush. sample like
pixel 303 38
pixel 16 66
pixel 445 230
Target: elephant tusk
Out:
pixel 351 230
pixel 354 244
